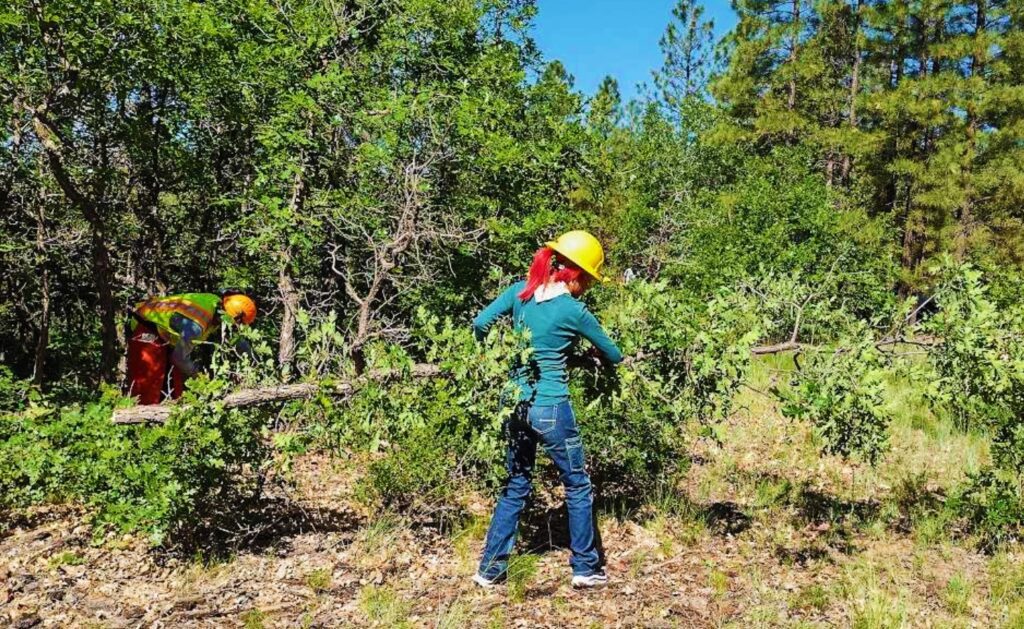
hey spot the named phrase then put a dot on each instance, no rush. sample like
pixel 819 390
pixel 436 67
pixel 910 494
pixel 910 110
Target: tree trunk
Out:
pixel 290 303
pixel 966 217
pixel 151 249
pixel 286 285
pixel 791 101
pixel 103 273
pixel 101 265
pixel 847 163
pixel 43 338
pixel 912 249
pixel 159 413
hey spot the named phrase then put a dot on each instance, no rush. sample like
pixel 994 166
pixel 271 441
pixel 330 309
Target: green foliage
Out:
pixel 688 363
pixel 777 216
pixel 981 354
pixel 15 394
pixel 439 432
pixel 910 108
pixel 376 167
pixel 445 431
pixel 160 480
pixel 992 505
pixel 979 362
pixel 840 392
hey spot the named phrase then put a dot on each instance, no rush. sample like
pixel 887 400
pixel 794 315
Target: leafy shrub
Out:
pixel 689 362
pixel 816 309
pixel 840 393
pixel 436 433
pixel 156 479
pixel 980 359
pixel 14 394
pixel 777 215
pixel 980 366
pixel 992 505
pixel 444 431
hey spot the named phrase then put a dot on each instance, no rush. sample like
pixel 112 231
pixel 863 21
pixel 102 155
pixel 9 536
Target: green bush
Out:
pixel 440 432
pixel 433 434
pixel 979 361
pixel 840 392
pixel 991 503
pixel 688 362
pixel 15 394
pixel 161 480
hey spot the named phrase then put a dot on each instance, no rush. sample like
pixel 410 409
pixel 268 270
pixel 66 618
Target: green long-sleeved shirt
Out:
pixel 555 325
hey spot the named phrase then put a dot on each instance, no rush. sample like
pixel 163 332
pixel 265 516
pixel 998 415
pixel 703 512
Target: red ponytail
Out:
pixel 543 270
pixel 540 271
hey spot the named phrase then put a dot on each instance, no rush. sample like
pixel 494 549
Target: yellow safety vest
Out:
pixel 198 307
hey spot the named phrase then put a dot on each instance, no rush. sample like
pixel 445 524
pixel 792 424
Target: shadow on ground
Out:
pixel 546 528
pixel 255 526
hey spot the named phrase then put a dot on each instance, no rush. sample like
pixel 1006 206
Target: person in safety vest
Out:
pixel 164 331
pixel 546 304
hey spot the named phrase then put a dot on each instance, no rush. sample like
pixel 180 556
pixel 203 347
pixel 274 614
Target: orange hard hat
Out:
pixel 241 308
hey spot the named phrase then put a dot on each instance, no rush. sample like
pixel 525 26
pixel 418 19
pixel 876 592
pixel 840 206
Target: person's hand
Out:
pixel 594 357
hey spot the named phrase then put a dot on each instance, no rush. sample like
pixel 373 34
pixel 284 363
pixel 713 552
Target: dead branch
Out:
pixel 158 414
pixel 778 348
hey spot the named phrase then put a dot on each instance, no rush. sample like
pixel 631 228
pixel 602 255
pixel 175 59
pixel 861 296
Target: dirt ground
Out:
pixel 329 567
pixel 761 531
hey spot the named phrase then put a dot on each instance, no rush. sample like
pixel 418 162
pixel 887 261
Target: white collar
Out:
pixel 546 292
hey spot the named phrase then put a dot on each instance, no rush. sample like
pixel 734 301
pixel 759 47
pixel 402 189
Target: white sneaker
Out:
pixel 597 579
pixel 484 582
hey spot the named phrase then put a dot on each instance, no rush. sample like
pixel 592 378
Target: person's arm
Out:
pixel 593 332
pixel 243 346
pixel 188 331
pixel 500 306
pixel 229 334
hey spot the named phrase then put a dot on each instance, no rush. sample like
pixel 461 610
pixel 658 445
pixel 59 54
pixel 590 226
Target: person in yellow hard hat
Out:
pixel 546 305
pixel 164 331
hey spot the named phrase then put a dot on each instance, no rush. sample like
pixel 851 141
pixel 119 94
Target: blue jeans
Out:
pixel 555 428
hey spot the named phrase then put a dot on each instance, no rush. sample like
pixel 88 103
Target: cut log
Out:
pixel 158 414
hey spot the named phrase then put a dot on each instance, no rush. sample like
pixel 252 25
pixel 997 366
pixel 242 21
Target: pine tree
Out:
pixel 764 87
pixel 688 52
pixel 913 106
pixel 605 111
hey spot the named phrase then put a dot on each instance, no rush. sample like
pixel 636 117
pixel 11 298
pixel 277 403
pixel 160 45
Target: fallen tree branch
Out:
pixel 158 414
pixel 778 348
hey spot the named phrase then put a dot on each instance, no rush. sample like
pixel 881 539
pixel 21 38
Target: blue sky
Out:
pixel 594 38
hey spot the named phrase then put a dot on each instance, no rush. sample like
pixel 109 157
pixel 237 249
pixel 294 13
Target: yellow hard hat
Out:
pixel 582 249
pixel 241 308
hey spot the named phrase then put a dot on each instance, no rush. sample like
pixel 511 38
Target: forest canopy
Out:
pixel 371 157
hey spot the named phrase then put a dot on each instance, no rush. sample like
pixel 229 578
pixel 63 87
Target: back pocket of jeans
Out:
pixel 543 419
pixel 574 449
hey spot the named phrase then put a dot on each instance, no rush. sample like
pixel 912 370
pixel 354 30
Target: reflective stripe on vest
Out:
pixel 198 307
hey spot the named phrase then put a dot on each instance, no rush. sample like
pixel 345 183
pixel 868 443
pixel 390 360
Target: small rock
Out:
pixel 26 622
pixel 133 611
